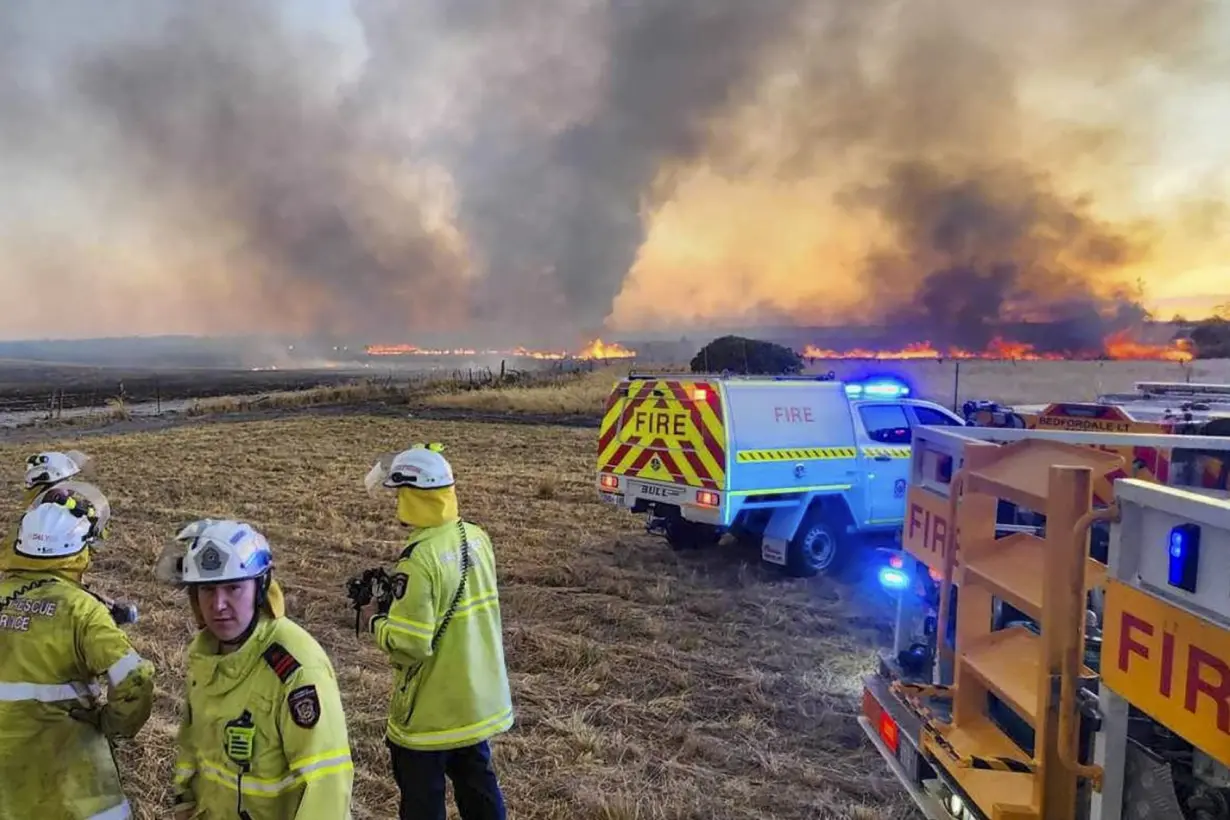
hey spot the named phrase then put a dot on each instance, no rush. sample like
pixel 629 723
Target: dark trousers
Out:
pixel 420 779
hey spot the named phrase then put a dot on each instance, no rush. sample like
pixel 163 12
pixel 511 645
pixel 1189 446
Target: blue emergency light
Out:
pixel 1184 556
pixel 893 580
pixel 878 389
pixel 893 575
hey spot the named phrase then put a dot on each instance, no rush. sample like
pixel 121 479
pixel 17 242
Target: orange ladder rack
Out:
pixel 1045 578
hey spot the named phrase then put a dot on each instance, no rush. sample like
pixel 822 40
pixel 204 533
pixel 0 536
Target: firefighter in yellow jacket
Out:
pixel 444 638
pixel 262 735
pixel 44 471
pixel 57 643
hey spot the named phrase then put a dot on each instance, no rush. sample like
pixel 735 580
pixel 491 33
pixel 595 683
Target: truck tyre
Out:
pixel 682 534
pixel 819 547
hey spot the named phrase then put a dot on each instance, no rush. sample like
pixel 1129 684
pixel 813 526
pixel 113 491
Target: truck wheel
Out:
pixel 818 547
pixel 688 535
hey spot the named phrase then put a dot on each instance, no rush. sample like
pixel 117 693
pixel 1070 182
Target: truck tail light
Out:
pixel 888 732
pixel 700 394
pixel 608 481
pixel 886 727
pixel 707 498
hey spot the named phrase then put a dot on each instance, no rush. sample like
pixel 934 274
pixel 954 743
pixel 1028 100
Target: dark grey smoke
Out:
pixel 220 112
pixel 561 124
pixel 978 236
pixel 566 202
pixel 984 251
pixel 674 67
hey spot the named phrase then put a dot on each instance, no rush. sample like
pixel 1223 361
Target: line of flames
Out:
pixel 1118 346
pixel 597 349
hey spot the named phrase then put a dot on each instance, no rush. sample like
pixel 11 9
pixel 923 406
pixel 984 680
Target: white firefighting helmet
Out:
pixel 421 467
pixel 68 519
pixel 218 552
pixel 51 466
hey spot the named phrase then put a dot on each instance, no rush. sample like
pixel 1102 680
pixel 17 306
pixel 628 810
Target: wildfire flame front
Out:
pixel 1118 346
pixel 595 350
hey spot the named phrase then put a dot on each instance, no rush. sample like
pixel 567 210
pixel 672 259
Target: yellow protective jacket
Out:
pixel 457 694
pixel 56 642
pixel 280 684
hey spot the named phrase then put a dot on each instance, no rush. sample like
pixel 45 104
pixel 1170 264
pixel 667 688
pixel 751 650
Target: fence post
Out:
pixel 956 383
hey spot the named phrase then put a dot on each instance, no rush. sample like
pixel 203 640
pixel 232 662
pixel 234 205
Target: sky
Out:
pixel 545 171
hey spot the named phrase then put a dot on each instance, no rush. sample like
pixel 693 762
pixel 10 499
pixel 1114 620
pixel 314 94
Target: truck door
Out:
pixel 885 442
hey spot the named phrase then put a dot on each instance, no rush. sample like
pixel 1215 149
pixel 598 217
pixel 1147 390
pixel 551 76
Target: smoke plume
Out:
pixel 981 251
pixel 539 170
pixel 949 171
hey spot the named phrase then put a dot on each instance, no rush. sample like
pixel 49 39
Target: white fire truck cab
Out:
pixel 808 468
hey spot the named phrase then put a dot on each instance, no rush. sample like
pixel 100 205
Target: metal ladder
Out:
pixel 1035 674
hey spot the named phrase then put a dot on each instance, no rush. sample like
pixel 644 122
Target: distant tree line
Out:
pixel 1211 337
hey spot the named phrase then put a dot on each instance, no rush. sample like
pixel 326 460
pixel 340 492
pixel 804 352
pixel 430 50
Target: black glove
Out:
pixel 92 716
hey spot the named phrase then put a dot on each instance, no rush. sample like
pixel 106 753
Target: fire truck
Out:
pixel 1067 687
pixel 1177 408
pixel 1154 407
pixel 806 468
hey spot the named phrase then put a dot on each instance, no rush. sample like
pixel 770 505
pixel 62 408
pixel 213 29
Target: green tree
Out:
pixel 748 356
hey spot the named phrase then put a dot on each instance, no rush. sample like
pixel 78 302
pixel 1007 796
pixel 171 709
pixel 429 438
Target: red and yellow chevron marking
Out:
pixel 1145 463
pixel 656 430
pixel 1150 464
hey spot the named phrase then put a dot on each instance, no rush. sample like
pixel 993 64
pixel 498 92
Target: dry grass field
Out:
pixel 649 685
pixel 577 395
pixel 1008 382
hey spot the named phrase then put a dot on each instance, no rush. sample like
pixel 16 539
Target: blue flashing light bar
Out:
pixel 878 389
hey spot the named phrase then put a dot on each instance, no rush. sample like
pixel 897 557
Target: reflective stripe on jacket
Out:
pixel 282 681
pixel 457 695
pixel 56 642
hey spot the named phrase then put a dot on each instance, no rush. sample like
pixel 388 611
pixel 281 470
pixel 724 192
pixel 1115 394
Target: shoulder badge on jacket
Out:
pixel 304 706
pixel 280 661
